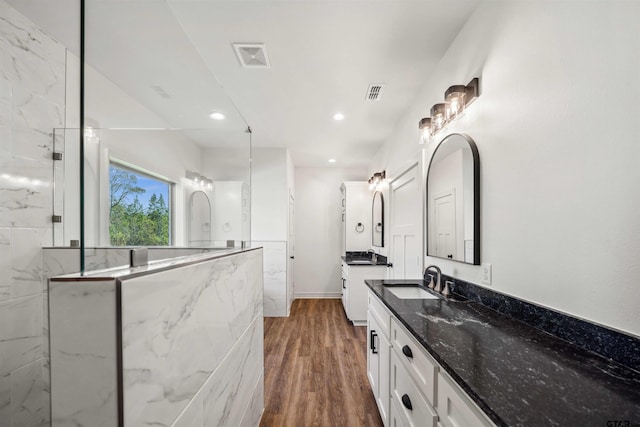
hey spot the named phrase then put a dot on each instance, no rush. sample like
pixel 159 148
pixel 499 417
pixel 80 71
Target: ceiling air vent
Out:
pixel 375 92
pixel 252 55
pixel 160 91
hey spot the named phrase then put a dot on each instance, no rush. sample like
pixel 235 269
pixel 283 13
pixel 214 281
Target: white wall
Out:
pixel 558 135
pixel 317 229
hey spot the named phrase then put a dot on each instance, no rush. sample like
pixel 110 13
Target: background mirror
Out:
pixel 453 201
pixel 377 220
pixel 199 219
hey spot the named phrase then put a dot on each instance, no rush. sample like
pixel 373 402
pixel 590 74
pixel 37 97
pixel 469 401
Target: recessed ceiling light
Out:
pixel 332 160
pixel 338 116
pixel 217 116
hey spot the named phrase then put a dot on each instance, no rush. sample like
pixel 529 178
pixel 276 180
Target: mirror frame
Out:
pixel 476 199
pixel 373 223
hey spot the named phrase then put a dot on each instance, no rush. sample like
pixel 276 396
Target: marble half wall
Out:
pixel 276 301
pixel 181 346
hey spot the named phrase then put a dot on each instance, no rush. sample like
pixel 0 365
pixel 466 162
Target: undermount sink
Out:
pixel 411 292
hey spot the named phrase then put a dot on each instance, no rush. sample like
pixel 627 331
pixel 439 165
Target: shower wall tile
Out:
pixel 25 192
pixel 29 56
pixel 59 261
pixel 170 350
pixel 5 263
pixel 26 260
pixel 275 278
pixel 20 332
pixel 26 396
pixel 226 399
pixel 83 353
pixel 193 415
pixel 5 399
pixel 32 103
pixel 33 144
pixel 253 412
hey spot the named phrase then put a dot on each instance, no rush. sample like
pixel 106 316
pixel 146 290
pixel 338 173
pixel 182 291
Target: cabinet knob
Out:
pixel 407 402
pixel 406 350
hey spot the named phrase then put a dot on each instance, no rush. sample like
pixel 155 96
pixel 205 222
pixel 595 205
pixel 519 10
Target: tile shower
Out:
pixel 32 104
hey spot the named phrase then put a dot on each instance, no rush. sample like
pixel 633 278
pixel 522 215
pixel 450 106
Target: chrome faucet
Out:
pixel 438 276
pixel 374 256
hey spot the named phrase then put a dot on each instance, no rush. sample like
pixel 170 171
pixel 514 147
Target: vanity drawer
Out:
pixel 381 313
pixel 395 416
pixel 420 365
pixel 455 408
pixel 411 407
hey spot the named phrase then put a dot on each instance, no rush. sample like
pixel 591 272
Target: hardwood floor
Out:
pixel 316 369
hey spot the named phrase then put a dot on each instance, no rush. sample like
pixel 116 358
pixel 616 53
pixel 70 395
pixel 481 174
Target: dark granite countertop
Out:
pixel 363 259
pixel 518 375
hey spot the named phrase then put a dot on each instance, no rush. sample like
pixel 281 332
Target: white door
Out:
pixel 406 226
pixel 292 245
pixel 445 225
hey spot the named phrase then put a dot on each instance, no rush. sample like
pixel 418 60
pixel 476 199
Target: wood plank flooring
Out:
pixel 316 369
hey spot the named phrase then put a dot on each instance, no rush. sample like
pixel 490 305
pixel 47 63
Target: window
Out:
pixel 140 213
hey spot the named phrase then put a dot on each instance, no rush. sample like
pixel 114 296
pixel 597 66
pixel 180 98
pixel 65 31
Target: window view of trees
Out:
pixel 139 209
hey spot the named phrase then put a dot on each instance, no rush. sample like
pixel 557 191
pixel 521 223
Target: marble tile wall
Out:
pixel 170 352
pixel 197 361
pixel 32 104
pixel 276 303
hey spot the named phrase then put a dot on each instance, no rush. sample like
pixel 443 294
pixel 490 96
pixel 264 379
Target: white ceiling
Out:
pixel 323 53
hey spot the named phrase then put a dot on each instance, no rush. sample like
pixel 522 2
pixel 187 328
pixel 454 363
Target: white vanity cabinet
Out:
pixel 378 354
pixel 356 216
pixel 354 290
pixel 418 392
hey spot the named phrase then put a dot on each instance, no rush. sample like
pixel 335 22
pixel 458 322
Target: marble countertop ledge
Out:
pixel 151 268
pixel 518 375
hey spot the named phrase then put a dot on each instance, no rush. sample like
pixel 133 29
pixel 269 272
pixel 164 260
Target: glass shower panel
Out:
pixel 149 95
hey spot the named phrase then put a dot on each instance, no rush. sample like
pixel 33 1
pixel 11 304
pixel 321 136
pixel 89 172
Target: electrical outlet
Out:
pixel 486 273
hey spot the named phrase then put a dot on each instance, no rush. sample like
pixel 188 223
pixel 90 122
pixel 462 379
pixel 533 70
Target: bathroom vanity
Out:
pixel 177 343
pixel 355 270
pixel 456 362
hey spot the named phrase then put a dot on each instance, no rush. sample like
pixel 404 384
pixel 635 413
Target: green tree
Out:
pixel 122 185
pixel 130 224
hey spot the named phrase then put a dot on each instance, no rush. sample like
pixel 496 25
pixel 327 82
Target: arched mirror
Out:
pixel 377 220
pixel 199 219
pixel 453 201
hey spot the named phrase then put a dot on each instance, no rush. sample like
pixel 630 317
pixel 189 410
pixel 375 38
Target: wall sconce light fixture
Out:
pixel 425 130
pixel 376 180
pixel 457 98
pixel 200 180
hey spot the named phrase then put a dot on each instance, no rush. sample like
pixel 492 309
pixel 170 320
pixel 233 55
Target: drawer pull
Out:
pixel 372 342
pixel 406 350
pixel 407 402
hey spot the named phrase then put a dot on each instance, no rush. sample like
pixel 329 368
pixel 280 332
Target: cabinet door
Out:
pixel 373 357
pixel 345 297
pixel 378 353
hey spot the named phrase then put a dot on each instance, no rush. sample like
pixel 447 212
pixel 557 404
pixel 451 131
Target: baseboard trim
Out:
pixel 318 295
